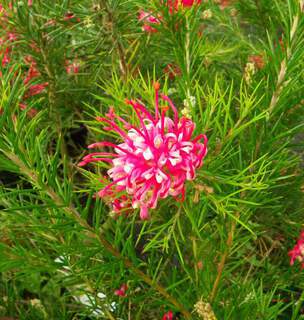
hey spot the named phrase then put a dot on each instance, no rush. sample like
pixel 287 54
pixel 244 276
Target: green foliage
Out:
pixel 227 243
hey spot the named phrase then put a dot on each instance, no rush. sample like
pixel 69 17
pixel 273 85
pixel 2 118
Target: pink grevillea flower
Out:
pixel 168 316
pixel 11 37
pixel 175 4
pixel 36 89
pixel 172 71
pixel 155 159
pixel 31 112
pixel 297 253
pixel 72 67
pixel 188 3
pixel 6 57
pixel 148 20
pixel 33 72
pixel 121 292
pixel 257 60
pixel 70 16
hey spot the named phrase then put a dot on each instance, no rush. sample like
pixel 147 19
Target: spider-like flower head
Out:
pixel 155 159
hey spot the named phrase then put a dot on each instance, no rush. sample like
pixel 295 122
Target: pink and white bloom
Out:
pixel 155 159
pixel 148 20
pixel 297 253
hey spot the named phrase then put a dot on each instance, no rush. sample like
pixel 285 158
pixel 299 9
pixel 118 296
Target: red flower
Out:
pixel 190 3
pixel 257 60
pixel 31 113
pixel 168 315
pixel 297 253
pixel 121 292
pixel 6 58
pixel 172 71
pixel 175 4
pixel 36 89
pixel 72 67
pixel 148 20
pixel 70 16
pixel 32 73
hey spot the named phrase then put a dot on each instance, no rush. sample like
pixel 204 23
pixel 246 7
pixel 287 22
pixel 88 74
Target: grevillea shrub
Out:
pixel 151 159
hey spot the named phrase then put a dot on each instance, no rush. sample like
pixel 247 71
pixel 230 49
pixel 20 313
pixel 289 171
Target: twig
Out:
pixel 222 262
pixel 283 69
pixel 187 50
pixel 120 49
pixel 72 212
pixel 281 77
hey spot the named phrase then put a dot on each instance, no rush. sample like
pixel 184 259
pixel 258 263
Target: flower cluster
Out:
pixel 72 67
pixel 9 53
pixel 168 316
pixel 155 159
pixel 148 19
pixel 297 253
pixel 172 71
pixel 257 60
pixel 175 5
pixel 8 46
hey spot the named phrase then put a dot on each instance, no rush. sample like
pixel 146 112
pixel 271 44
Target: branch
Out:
pixel 222 262
pixel 283 69
pixel 120 49
pixel 71 211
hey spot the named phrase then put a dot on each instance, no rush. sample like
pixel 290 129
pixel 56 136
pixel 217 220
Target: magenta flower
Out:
pixel 148 20
pixel 297 253
pixel 155 159
pixel 168 316
pixel 175 4
pixel 122 291
pixel 35 89
pixel 189 3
